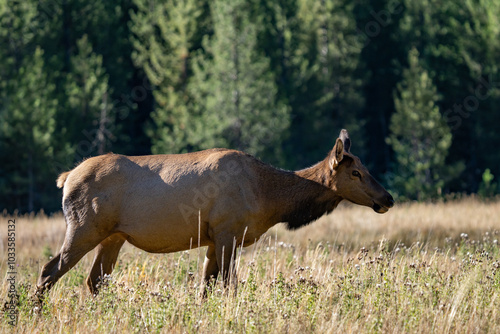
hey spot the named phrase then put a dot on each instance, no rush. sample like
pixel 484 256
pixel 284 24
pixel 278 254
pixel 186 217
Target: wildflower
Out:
pixel 464 236
pixel 299 269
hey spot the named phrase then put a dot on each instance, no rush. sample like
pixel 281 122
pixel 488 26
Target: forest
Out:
pixel 416 84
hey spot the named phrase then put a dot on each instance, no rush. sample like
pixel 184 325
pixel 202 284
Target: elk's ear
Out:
pixel 337 154
pixel 344 136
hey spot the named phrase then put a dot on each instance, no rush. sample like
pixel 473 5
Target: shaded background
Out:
pixel 416 83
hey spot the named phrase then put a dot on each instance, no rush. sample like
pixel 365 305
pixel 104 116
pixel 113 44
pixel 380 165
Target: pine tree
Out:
pixel 164 35
pixel 104 27
pixel 27 127
pixel 419 136
pixel 329 32
pixel 480 40
pixel 28 135
pixel 234 92
pixel 459 41
pixel 88 94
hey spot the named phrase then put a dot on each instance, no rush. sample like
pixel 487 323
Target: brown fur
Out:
pixel 62 178
pixel 217 198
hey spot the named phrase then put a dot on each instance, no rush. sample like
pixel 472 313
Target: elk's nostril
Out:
pixel 390 200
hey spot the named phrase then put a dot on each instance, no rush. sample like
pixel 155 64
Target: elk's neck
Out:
pixel 305 196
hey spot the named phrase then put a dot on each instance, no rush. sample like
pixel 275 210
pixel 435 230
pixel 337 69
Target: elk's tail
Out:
pixel 61 179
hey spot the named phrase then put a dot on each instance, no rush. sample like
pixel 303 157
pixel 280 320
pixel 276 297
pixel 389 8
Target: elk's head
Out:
pixel 352 181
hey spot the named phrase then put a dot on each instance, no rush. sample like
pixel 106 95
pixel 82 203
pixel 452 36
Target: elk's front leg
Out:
pixel 210 270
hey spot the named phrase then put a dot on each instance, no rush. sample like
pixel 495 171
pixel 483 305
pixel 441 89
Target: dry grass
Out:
pixel 352 225
pixel 353 271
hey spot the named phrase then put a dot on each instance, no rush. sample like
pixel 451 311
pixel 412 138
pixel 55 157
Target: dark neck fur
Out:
pixel 307 211
pixel 306 196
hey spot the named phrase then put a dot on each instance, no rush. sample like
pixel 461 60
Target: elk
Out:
pixel 218 198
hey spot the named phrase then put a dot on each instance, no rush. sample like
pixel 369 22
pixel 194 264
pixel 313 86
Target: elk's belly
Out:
pixel 164 229
pixel 165 236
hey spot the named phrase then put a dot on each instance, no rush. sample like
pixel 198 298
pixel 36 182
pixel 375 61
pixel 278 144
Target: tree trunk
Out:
pixel 31 181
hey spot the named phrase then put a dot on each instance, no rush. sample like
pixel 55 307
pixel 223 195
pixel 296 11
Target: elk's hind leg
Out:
pixel 78 241
pixel 104 260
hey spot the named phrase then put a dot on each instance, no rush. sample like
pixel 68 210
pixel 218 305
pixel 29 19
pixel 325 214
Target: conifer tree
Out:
pixel 481 42
pixel 163 42
pixel 460 42
pixel 88 93
pixel 329 32
pixel 27 126
pixel 314 51
pixel 419 136
pixel 234 92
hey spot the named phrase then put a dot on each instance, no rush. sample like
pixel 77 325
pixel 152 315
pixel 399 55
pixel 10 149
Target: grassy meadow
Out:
pixel 420 268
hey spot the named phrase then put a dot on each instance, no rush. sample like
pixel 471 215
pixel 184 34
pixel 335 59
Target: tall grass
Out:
pixel 421 268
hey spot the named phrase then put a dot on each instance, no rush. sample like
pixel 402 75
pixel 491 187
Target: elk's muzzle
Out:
pixel 383 205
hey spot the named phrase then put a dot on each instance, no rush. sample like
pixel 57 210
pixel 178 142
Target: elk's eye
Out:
pixel 356 173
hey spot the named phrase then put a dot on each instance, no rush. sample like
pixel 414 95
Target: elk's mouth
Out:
pixel 383 208
pixel 379 209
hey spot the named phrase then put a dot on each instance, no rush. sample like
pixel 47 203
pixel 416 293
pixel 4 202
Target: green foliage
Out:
pixel 319 73
pixel 27 126
pixel 487 188
pixel 55 96
pixel 336 71
pixel 419 136
pixel 164 35
pixel 47 252
pixel 459 44
pixel 277 79
pixel 233 89
pixel 88 97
